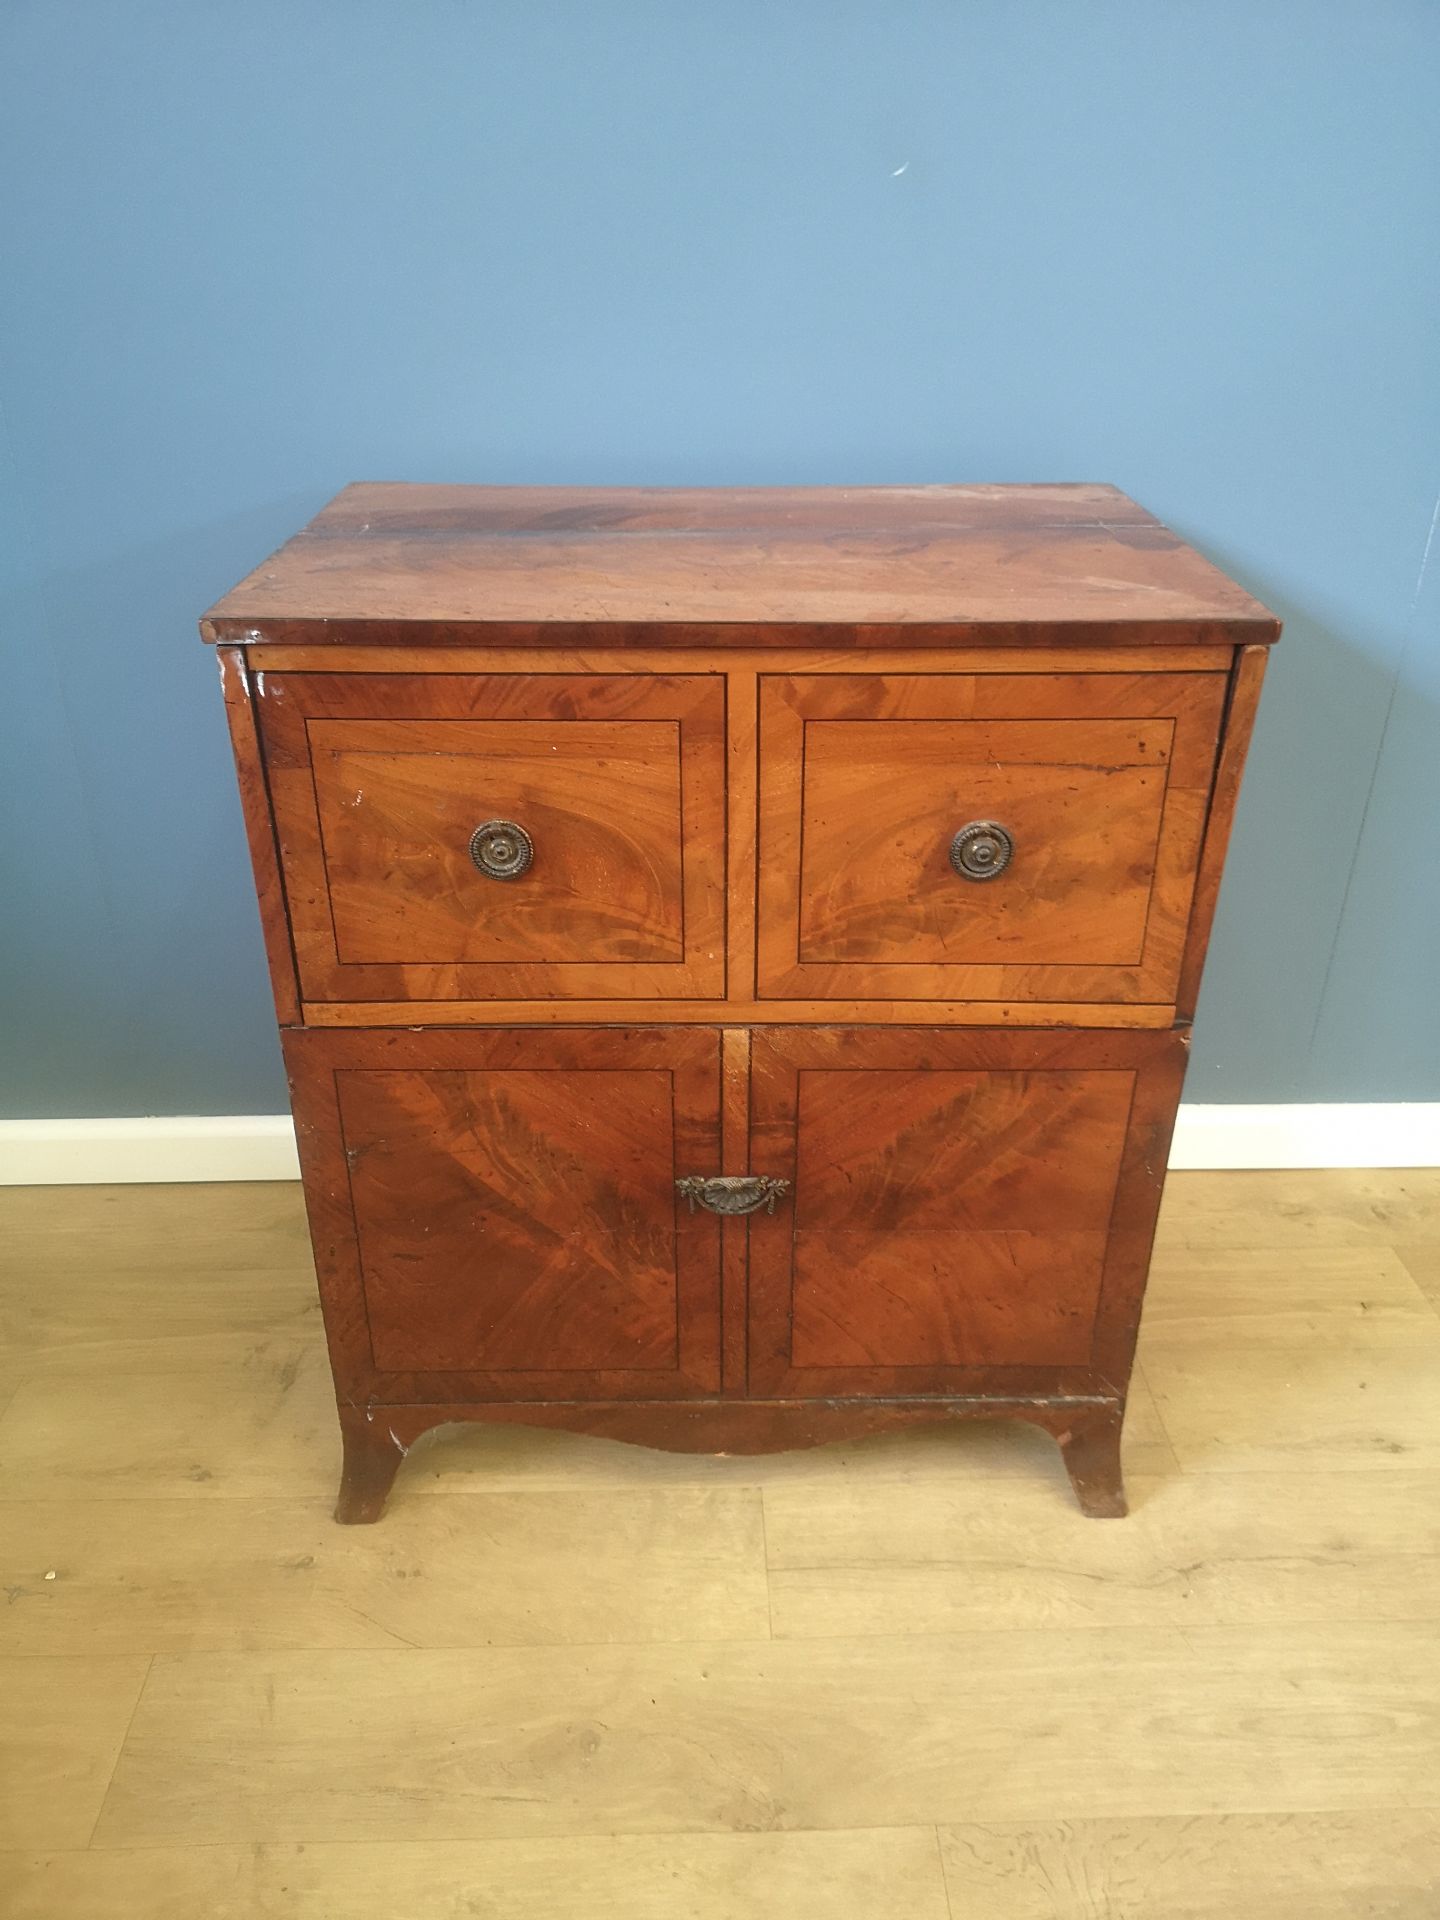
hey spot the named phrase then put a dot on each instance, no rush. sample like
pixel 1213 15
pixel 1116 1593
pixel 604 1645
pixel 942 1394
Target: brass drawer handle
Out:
pixel 981 850
pixel 501 849
pixel 732 1192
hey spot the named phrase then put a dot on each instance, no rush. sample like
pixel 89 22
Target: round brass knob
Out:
pixel 501 849
pixel 981 850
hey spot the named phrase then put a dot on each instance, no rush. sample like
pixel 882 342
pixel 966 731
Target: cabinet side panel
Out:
pixel 330 1215
pixel 260 832
pixel 1137 1206
pixel 1248 677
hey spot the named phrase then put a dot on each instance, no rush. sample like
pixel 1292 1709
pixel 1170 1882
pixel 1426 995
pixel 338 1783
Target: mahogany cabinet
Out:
pixel 735 951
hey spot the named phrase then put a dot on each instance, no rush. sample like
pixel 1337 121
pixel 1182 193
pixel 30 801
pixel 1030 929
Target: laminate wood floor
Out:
pixel 901 1679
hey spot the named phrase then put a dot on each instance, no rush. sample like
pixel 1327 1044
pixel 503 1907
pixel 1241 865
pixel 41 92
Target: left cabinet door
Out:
pixel 494 1213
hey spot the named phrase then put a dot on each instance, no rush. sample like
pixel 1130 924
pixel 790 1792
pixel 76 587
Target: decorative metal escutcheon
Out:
pixel 502 849
pixel 732 1192
pixel 981 850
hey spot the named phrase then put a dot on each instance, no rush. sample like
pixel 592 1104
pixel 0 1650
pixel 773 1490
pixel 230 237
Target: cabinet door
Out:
pixel 494 1212
pixel 969 1210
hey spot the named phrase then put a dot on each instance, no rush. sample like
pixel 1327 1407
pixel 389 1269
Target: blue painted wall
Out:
pixel 252 250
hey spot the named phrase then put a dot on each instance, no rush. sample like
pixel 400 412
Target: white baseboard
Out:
pixel 1319 1134
pixel 262 1146
pixel 240 1146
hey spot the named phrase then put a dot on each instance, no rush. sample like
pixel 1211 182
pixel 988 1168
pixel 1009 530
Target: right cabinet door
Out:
pixel 969 1211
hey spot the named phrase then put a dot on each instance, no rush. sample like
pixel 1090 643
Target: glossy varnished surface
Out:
pixel 1101 779
pixel 642 789
pixel 378 782
pixel 963 1204
pixel 498 1234
pixel 741 730
pixel 449 564
pixel 495 1214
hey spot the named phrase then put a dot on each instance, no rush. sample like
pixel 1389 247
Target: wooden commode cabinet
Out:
pixel 735 951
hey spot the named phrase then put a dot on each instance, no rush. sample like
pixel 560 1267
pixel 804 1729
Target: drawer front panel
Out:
pixel 602 875
pixel 498 1212
pixel 961 1203
pixel 1097 782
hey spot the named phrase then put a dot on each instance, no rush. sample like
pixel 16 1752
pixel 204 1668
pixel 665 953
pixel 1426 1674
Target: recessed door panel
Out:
pixel 981 836
pixel 493 836
pixel 960 1203
pixel 513 1227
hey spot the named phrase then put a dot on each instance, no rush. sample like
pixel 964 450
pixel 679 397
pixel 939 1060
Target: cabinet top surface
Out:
pixel 393 563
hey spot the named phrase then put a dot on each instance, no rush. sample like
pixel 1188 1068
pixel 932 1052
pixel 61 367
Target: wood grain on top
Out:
pixel 871 566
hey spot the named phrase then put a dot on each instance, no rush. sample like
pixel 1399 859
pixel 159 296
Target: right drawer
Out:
pixel 984 837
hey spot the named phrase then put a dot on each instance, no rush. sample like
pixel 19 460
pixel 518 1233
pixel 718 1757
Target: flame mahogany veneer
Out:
pixel 723 928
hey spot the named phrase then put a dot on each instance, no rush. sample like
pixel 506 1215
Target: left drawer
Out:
pixel 602 875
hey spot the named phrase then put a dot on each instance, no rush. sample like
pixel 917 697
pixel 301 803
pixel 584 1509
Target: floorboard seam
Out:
pixel 119 1750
